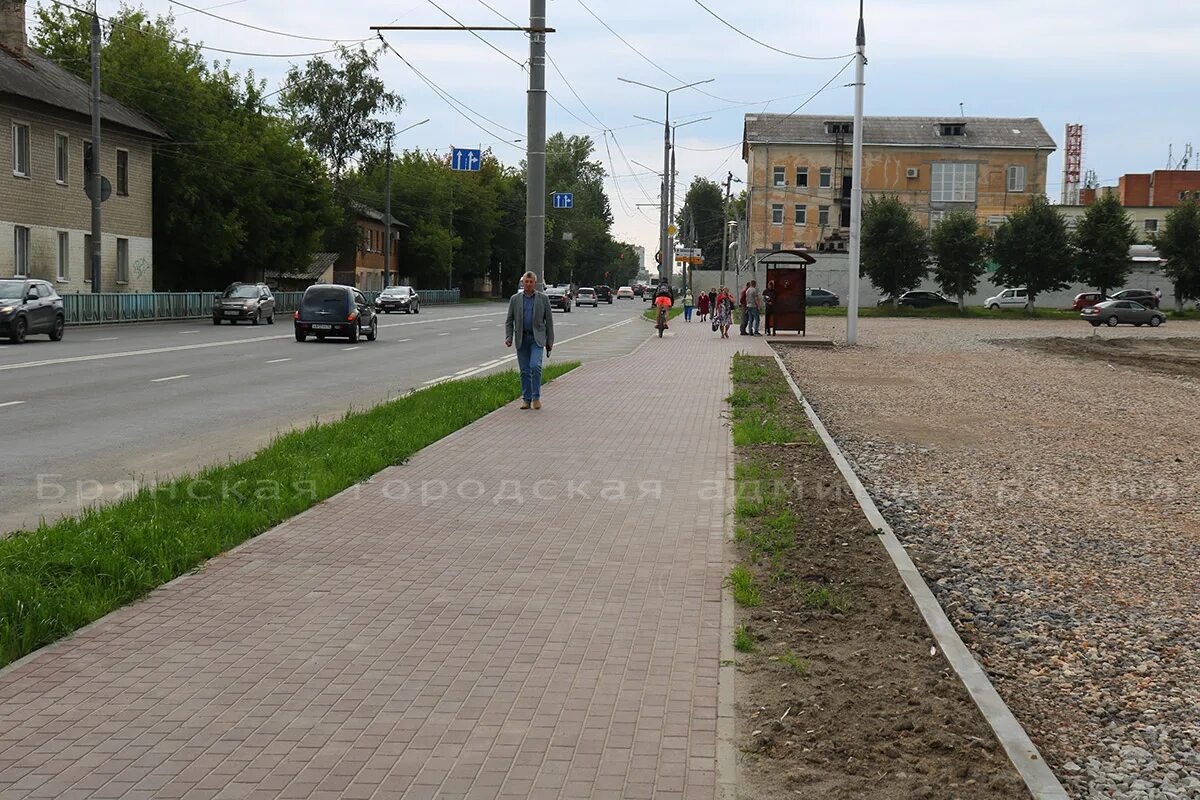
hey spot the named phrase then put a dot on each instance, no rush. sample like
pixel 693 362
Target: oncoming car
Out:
pixel 30 306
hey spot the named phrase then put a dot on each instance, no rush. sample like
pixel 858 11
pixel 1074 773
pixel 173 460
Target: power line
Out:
pixel 761 43
pixel 477 36
pixel 257 28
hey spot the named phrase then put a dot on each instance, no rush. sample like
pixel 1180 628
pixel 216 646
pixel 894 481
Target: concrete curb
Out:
pixel 727 777
pixel 1016 742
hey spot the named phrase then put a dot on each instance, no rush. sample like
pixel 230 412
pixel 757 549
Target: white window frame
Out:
pixel 822 215
pixel 1015 178
pixel 64 256
pixel 779 176
pixel 825 180
pixel 953 181
pixel 17 154
pixel 122 260
pixel 117 183
pixel 62 158
pixel 21 244
pixel 777 213
pixel 802 177
pixel 801 212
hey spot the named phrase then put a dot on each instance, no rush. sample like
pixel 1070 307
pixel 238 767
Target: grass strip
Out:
pixel 972 312
pixel 62 576
pixel 652 314
pixel 741 583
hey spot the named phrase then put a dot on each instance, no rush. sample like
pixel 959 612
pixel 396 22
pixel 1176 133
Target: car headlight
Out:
pixel 7 309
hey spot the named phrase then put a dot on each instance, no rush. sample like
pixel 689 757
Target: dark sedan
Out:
pixel 604 294
pixel 560 298
pixel 252 301
pixel 919 299
pixel 331 310
pixel 821 297
pixel 1122 312
pixel 30 306
pixel 398 298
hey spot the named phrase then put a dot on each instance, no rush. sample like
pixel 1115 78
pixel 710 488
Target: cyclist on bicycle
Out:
pixel 664 298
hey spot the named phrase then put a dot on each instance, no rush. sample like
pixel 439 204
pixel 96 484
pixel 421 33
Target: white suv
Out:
pixel 1009 298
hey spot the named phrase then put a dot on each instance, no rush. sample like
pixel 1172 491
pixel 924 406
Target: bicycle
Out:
pixel 661 322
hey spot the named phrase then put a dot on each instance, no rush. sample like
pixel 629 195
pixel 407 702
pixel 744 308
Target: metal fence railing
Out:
pixel 90 309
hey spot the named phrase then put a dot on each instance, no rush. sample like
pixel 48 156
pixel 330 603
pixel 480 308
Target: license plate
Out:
pixel 232 313
pixel 320 326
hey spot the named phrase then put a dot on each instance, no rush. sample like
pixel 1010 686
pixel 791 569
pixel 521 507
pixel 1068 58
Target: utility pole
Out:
pixel 94 179
pixel 387 217
pixel 535 159
pixel 725 226
pixel 860 61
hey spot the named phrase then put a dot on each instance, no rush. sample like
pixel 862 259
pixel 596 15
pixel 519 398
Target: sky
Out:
pixel 1128 71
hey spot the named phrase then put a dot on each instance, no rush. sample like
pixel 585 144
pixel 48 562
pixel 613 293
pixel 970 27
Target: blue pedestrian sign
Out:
pixel 466 160
pixel 563 200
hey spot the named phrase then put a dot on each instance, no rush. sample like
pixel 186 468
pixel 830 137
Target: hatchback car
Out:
pixel 604 294
pixel 919 299
pixel 820 297
pixel 1009 298
pixel 586 296
pixel 252 301
pixel 1143 296
pixel 1086 300
pixel 30 306
pixel 398 298
pixel 331 310
pixel 1122 312
pixel 625 292
pixel 560 298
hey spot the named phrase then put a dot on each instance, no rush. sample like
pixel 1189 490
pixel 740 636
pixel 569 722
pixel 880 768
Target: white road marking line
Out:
pixel 438 380
pixel 178 348
pixel 344 349
pixel 474 329
pixel 402 341
pixel 107 339
pixel 443 334
pixel 181 333
pixel 278 360
pixel 12 403
pixel 172 378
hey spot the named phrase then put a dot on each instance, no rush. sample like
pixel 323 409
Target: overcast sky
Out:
pixel 1127 70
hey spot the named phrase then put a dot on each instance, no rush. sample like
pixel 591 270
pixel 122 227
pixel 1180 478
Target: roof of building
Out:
pixel 315 269
pixel 32 76
pixel 366 212
pixel 1006 132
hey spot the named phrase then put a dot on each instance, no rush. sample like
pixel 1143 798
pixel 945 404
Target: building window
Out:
pixel 826 177
pixel 122 261
pixel 776 245
pixel 952 129
pixel 777 214
pixel 822 215
pixel 1016 178
pixel 952 182
pixel 64 256
pixel 839 127
pixel 802 176
pixel 20 251
pixel 801 215
pixel 123 172
pixel 62 152
pixel 20 145
pixel 1151 225
pixel 87 258
pixel 780 176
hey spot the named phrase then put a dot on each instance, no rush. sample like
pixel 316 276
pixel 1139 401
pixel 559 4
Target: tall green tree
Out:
pixel 337 109
pixel 895 249
pixel 960 251
pixel 702 218
pixel 1179 243
pixel 1102 239
pixel 1032 249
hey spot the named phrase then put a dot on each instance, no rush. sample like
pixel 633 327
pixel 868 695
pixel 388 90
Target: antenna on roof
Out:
pixel 961 112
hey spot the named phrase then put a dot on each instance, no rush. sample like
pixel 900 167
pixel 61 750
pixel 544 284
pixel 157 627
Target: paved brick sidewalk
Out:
pixel 453 642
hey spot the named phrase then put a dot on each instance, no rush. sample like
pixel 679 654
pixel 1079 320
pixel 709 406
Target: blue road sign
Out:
pixel 466 160
pixel 563 200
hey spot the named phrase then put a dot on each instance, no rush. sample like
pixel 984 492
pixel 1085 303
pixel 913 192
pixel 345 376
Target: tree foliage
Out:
pixel 960 251
pixel 1032 249
pixel 1102 239
pixel 895 249
pixel 701 219
pixel 1179 243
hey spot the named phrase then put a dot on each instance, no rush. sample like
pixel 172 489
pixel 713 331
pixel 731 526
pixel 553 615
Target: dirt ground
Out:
pixel 1176 356
pixel 853 700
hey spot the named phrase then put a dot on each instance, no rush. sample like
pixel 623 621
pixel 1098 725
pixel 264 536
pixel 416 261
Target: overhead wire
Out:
pixel 761 43
pixel 477 36
pixel 272 31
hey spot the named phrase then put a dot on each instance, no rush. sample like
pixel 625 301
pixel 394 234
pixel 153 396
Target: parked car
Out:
pixel 1086 300
pixel 625 292
pixel 252 301
pixel 1009 298
pixel 820 297
pixel 919 299
pixel 586 296
pixel 604 294
pixel 1122 312
pixel 30 306
pixel 560 298
pixel 398 298
pixel 638 290
pixel 1143 296
pixel 332 310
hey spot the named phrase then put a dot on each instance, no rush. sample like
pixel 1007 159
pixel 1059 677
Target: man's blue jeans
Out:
pixel 752 320
pixel 529 359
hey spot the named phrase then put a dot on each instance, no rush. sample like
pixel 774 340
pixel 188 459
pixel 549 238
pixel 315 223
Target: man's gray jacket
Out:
pixel 543 320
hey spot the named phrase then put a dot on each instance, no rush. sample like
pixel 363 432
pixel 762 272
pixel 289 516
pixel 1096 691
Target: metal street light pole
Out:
pixel 860 61
pixel 671 194
pixel 535 160
pixel 666 266
pixel 725 223
pixel 387 206
pixel 95 178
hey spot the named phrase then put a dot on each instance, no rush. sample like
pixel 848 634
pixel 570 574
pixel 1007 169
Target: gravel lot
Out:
pixel 1053 504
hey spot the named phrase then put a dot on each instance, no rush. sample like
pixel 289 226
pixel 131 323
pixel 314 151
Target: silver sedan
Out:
pixel 1122 312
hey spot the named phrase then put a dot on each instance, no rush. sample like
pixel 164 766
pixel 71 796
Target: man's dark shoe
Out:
pixel 524 405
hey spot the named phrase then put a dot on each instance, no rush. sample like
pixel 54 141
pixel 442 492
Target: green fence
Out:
pixel 91 309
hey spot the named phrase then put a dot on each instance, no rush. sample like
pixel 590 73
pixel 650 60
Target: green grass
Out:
pixel 742 641
pixel 972 312
pixel 800 666
pixel 741 582
pixel 822 598
pixel 754 402
pixel 652 315
pixel 62 576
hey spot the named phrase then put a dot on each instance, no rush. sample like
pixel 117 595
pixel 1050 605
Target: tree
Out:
pixel 1032 249
pixel 703 216
pixel 1179 244
pixel 1102 240
pixel 960 254
pixel 335 109
pixel 895 249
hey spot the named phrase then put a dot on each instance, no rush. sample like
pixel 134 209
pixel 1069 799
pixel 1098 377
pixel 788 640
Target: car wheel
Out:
pixel 994 307
pixel 19 329
pixel 371 334
pixel 1155 322
pixel 300 336
pixel 216 320
pixel 60 325
pixel 255 319
pixel 354 334
pixel 271 319
pixel 417 310
pixel 1112 321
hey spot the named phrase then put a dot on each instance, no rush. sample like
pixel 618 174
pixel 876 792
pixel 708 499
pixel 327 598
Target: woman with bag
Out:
pixel 723 316
pixel 702 306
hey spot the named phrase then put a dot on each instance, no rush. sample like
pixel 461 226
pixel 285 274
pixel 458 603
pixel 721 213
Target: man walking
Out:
pixel 752 304
pixel 742 308
pixel 531 320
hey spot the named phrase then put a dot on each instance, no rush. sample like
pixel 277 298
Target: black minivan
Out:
pixel 331 310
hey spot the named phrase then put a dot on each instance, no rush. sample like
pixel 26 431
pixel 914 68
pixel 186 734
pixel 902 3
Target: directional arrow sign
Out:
pixel 563 200
pixel 465 160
